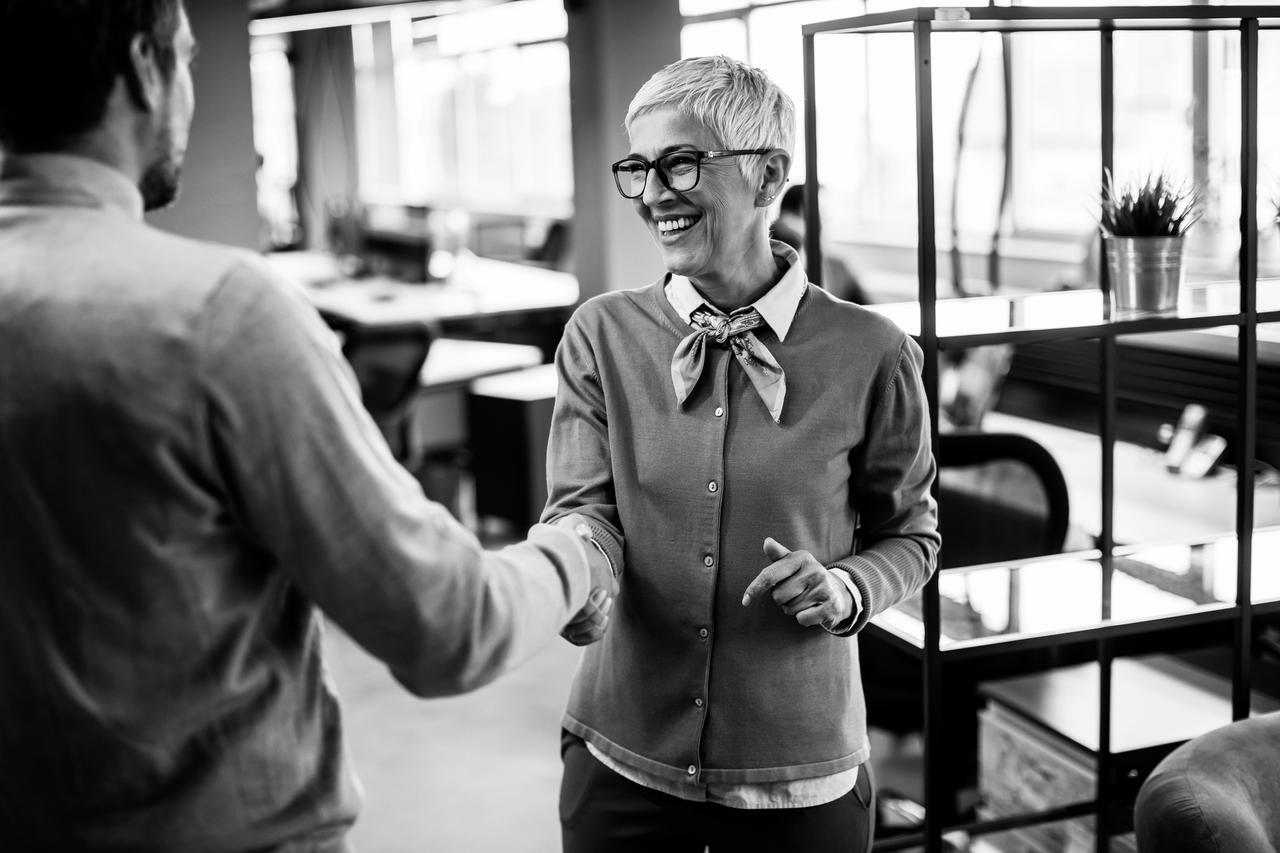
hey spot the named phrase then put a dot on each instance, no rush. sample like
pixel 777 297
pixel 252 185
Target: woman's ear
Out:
pixel 777 166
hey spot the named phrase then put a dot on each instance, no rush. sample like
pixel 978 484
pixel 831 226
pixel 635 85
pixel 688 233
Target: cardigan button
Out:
pixel 703 632
pixel 693 771
pixel 698 701
pixel 719 411
pixel 711 487
pixel 708 561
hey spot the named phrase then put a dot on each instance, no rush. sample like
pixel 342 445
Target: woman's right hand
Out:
pixel 592 620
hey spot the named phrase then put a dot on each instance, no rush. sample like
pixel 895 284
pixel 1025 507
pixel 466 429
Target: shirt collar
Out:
pixel 777 306
pixel 67 179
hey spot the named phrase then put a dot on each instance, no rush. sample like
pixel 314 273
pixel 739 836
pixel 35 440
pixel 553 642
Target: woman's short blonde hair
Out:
pixel 736 101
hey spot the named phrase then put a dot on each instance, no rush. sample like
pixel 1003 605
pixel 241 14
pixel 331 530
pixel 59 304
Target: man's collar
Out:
pixel 778 306
pixel 67 179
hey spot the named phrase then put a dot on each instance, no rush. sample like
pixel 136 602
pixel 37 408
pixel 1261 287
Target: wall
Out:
pixel 613 48
pixel 219 190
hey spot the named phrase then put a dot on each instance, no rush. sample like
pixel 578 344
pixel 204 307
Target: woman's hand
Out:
pixel 802 587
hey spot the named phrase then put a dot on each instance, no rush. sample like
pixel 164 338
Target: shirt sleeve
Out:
pixel 579 465
pixel 893 472
pixel 311 482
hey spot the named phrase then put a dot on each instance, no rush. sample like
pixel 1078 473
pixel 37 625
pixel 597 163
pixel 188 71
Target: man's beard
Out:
pixel 160 182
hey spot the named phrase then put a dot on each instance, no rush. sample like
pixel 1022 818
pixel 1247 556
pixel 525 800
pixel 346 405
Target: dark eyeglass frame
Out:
pixel 700 157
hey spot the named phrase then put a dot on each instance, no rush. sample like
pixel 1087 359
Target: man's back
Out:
pixel 187 468
pixel 125 574
pixel 186 473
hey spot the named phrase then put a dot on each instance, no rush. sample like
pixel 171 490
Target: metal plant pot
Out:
pixel 1146 273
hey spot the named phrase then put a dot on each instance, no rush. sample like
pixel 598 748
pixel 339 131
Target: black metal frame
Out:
pixel 922 23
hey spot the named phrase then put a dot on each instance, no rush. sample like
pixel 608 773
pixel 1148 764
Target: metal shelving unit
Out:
pixel 923 24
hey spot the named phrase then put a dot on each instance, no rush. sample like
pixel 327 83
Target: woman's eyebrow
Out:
pixel 679 146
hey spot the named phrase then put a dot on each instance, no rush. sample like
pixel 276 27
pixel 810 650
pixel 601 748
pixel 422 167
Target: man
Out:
pixel 185 467
pixel 837 277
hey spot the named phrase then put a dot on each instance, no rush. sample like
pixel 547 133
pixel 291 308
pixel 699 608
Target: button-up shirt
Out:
pixel 185 467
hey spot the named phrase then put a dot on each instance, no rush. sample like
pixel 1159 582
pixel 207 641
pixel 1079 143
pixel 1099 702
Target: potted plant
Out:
pixel 1143 226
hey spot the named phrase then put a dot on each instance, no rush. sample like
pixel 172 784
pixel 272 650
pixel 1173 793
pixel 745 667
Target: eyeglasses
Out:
pixel 678 170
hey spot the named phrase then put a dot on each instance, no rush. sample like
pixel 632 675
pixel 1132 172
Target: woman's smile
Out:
pixel 672 227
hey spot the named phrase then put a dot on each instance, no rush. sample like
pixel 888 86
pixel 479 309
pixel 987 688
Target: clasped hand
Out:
pixel 802 587
pixel 590 623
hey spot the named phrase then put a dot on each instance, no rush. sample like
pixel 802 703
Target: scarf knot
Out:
pixel 736 331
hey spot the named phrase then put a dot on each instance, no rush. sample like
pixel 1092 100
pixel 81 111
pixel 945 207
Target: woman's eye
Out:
pixel 677 163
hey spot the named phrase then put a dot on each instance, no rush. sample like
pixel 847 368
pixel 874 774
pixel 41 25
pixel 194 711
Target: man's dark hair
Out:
pixel 59 60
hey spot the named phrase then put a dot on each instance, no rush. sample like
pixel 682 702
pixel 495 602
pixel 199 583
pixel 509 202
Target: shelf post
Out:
pixel 935 793
pixel 812 219
pixel 1247 337
pixel 1107 363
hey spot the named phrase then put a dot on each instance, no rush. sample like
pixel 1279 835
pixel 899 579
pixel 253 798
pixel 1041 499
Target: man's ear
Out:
pixel 143 76
pixel 777 166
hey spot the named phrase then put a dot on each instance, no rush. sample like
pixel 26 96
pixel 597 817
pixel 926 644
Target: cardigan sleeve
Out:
pixel 579 464
pixel 893 471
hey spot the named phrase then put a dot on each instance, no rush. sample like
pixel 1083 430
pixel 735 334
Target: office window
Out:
pixel 453 111
pixel 766 34
pixel 708 38
pixel 374 49
pixel 1172 120
pixel 275 138
pixel 514 143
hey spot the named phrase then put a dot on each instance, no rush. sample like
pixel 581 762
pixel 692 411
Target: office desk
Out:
pixel 479 289
pixel 438 413
pixel 1151 504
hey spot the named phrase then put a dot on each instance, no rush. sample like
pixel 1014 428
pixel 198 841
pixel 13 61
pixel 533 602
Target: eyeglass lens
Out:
pixel 680 169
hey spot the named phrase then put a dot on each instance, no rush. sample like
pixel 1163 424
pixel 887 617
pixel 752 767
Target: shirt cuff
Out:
pixel 846 577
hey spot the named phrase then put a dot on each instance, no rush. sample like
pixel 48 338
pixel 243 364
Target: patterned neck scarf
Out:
pixel 734 331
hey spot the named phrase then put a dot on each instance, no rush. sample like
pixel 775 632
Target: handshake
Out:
pixel 590 623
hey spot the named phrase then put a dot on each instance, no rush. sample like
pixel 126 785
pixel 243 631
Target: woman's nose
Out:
pixel 654 188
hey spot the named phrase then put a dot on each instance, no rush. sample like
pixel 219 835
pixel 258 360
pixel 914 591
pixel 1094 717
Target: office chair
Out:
pixel 388 361
pixel 1001 496
pixel 1218 792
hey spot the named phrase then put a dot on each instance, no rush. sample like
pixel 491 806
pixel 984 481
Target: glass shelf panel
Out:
pixel 1070 309
pixel 1213 565
pixel 984 605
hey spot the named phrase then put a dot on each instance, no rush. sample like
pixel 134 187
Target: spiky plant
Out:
pixel 1155 208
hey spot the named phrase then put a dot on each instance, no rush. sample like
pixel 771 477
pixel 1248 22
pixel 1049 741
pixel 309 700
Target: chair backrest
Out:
pixel 1218 792
pixel 1001 496
pixel 387 361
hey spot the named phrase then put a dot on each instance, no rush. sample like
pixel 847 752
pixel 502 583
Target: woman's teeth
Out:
pixel 680 223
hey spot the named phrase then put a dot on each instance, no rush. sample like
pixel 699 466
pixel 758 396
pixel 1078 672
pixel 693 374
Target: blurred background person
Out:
pixel 838 277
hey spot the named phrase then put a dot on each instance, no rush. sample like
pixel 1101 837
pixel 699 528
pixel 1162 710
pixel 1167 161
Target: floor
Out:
pixel 473 774
pixel 479 773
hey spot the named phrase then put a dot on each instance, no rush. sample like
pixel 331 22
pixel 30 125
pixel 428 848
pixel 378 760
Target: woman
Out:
pixel 705 425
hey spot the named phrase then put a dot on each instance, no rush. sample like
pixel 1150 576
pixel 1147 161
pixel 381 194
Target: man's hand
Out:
pixel 592 620
pixel 802 587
